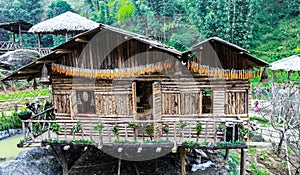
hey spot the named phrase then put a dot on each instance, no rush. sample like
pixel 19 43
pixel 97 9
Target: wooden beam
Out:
pixel 81 40
pixel 28 71
pixel 182 159
pixel 63 51
pixel 43 61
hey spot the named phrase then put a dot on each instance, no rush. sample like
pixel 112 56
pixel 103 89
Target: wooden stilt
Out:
pixel 243 162
pixel 4 88
pixel 119 167
pixel 226 157
pixel 182 159
pixel 64 162
pixel 39 42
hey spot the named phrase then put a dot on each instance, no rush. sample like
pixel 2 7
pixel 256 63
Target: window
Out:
pixel 86 102
pixel 207 101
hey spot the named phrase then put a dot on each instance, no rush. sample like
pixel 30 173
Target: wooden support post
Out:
pixel 64 162
pixel 4 88
pixel 182 159
pixel 243 162
pixel 119 167
pixel 226 157
pixel 39 42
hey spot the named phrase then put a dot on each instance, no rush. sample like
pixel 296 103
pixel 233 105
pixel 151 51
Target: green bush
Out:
pixel 10 122
pixel 260 119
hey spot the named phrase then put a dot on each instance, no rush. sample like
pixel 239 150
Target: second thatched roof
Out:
pixel 288 64
pixel 67 22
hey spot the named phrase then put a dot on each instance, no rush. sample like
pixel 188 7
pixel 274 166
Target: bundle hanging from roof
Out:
pixel 111 73
pixel 221 73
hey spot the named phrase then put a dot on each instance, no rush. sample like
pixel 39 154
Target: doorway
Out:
pixel 144 100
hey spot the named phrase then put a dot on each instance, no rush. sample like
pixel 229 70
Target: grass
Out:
pixel 25 94
pixel 9 148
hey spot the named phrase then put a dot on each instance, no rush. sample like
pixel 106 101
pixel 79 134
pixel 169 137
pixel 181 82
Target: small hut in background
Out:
pixel 17 28
pixel 63 24
pixel 289 64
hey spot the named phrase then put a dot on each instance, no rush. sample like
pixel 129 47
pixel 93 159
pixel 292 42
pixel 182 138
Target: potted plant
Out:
pixel 99 128
pixel 21 143
pixel 243 132
pixel 166 130
pixel 25 114
pixel 150 130
pixel 115 131
pixel 77 128
pixel 36 129
pixel 55 127
pixel 181 126
pixel 222 127
pixel 134 126
pixel 198 129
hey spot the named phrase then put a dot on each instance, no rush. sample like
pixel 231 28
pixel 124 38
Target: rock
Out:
pixel 15 59
pixel 201 153
pixel 19 167
pixel 43 160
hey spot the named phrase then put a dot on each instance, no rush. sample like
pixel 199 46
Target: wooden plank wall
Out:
pixel 218 55
pixel 218 101
pixel 109 50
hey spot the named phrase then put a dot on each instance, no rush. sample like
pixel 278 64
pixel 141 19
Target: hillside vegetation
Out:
pixel 269 29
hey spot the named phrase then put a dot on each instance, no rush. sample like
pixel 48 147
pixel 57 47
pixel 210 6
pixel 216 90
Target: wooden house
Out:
pixel 115 77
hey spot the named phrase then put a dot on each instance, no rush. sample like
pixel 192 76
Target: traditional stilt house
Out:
pixel 116 80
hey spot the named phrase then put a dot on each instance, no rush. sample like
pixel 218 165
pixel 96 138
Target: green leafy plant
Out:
pixel 182 124
pixel 77 128
pixel 115 131
pixel 222 127
pixel 166 130
pixel 99 127
pixel 149 129
pixel 36 129
pixel 134 126
pixel 55 127
pixel 24 112
pixel 198 129
pixel 22 141
pixel 243 132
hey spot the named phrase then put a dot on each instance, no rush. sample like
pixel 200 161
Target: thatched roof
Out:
pixel 288 64
pixel 67 22
pixel 14 26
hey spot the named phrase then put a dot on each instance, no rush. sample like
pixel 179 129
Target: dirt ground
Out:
pixel 96 162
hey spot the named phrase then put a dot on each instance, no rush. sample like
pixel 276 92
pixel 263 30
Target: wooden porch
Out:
pixel 179 132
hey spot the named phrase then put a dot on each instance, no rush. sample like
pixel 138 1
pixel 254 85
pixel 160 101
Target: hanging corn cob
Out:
pixel 221 73
pixel 110 74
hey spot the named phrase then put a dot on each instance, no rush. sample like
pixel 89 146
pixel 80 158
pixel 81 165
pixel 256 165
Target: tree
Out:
pixel 285 119
pixel 58 7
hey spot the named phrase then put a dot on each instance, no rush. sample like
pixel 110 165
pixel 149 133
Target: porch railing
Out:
pixel 179 131
pixel 8 46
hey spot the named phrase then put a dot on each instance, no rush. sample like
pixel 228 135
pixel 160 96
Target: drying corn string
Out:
pixel 112 73
pixel 221 73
